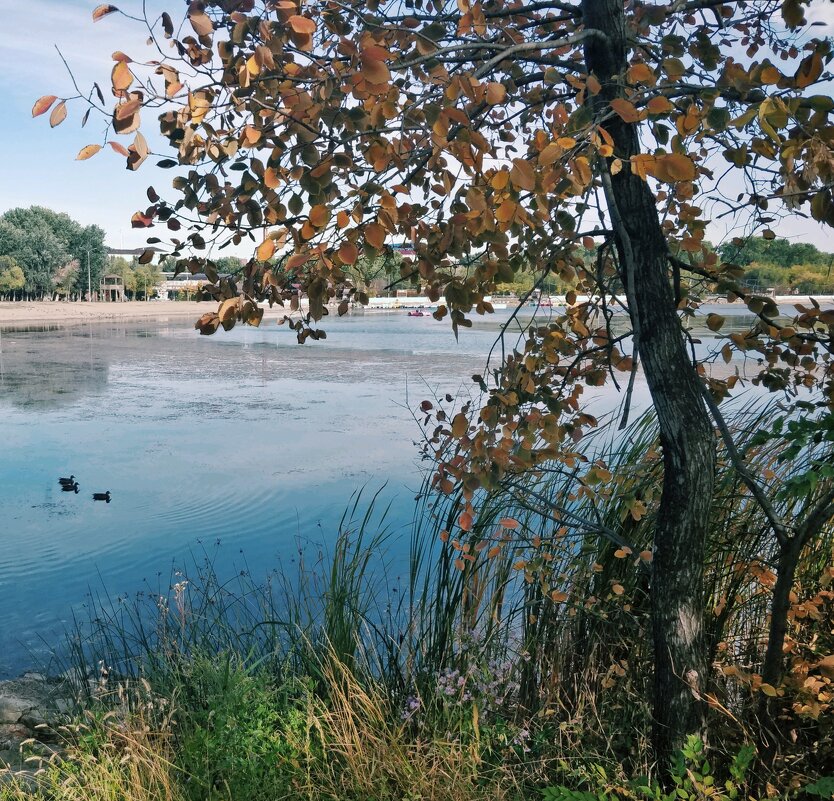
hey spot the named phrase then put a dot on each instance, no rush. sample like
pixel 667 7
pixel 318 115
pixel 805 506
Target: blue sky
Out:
pixel 37 163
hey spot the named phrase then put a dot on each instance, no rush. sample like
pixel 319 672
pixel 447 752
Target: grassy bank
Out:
pixel 513 664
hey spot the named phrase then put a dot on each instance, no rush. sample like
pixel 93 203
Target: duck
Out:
pixel 70 487
pixel 102 496
pixel 67 481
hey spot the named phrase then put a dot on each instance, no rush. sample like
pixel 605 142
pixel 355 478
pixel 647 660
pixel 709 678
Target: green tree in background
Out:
pixel 43 241
pixel 11 276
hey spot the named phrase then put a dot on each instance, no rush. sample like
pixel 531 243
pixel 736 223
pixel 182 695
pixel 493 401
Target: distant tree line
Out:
pixel 782 265
pixel 45 253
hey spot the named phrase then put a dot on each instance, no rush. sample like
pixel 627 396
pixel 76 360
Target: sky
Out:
pixel 37 163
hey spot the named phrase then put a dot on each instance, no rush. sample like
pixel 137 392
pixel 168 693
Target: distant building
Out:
pixel 111 288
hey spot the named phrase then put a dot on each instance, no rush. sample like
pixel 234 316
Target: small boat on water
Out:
pixel 417 313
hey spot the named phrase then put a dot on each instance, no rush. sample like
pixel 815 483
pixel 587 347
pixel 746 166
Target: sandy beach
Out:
pixel 26 313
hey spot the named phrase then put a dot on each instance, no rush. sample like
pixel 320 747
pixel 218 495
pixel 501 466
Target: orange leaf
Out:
pixel 509 523
pixel 770 75
pixel 303 25
pixel 265 250
pixel 810 69
pixel 342 219
pixel 618 589
pixel 58 115
pixel 496 93
pixel 558 597
pixel 625 109
pixel 659 105
pixel 87 152
pixel 348 253
pixel 465 521
pixel 641 73
pixel 121 78
pixel 374 71
pixel 319 215
pixel 103 11
pixel 375 235
pixel 119 148
pixel 678 166
pixel 43 104
pixel 506 211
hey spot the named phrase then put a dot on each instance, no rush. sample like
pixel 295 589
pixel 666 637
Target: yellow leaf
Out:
pixel 769 690
pixel 714 322
pixel 87 152
pixel 121 77
pixel 265 250
pixel 567 142
pixel 459 425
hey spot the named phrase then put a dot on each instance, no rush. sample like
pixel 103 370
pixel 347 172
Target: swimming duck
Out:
pixel 70 487
pixel 67 481
pixel 102 496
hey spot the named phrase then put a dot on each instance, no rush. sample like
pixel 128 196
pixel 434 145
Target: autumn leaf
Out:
pixel 506 211
pixel 809 71
pixel 265 250
pixel 348 253
pixel 201 23
pixel 43 104
pixel 303 25
pixel 103 11
pixel 523 175
pixel 319 215
pixel 119 148
pixel 58 115
pixel 641 73
pixel 460 424
pixel 496 93
pixel 509 523
pixel 715 321
pixel 121 78
pixel 375 235
pixel 87 152
pixel 626 110
pixel 465 521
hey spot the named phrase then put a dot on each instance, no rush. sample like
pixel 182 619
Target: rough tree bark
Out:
pixel 686 432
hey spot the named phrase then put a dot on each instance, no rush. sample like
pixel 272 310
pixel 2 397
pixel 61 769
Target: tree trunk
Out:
pixel 686 431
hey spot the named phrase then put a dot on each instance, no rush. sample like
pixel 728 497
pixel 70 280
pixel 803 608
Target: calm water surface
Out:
pixel 245 438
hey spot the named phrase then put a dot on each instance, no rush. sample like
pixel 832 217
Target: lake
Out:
pixel 240 444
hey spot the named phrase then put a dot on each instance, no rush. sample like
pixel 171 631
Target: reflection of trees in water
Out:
pixel 41 369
